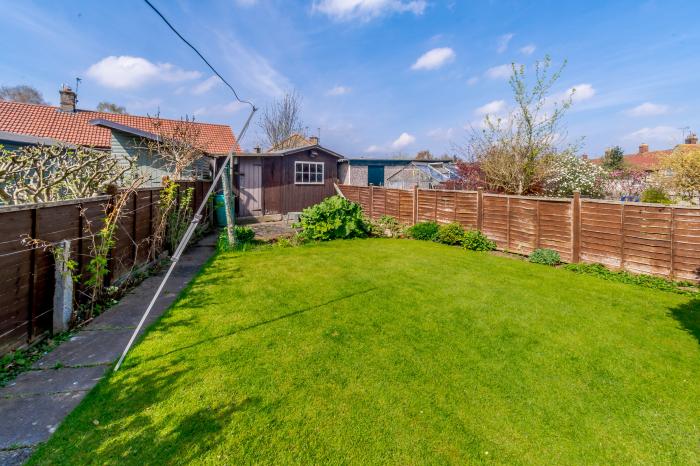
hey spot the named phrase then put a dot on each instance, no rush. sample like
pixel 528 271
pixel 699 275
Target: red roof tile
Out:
pixel 641 160
pixel 75 128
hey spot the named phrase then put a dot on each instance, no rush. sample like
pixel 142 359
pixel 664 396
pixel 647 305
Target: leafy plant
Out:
pixel 450 234
pixel 387 226
pixel 425 231
pixel 21 360
pixel 475 240
pixel 647 281
pixel 244 234
pixel 656 195
pixel 545 257
pixel 333 218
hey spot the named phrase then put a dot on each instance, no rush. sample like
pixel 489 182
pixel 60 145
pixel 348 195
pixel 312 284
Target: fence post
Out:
pixel 371 201
pixel 576 228
pixel 63 290
pixel 479 208
pixel 415 204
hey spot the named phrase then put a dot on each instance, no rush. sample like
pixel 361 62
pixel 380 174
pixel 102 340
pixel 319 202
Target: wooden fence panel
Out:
pixel 378 203
pixel 364 198
pixel 686 244
pixel 427 205
pixel 406 201
pixel 392 203
pixel 555 227
pixel 522 223
pixel 446 207
pixel 601 233
pixel 495 219
pixel 647 239
pixel 466 209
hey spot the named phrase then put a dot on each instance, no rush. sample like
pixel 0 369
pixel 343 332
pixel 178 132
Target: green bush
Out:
pixel 475 240
pixel 333 218
pixel 244 237
pixel 656 196
pixel 647 281
pixel 244 234
pixel 387 226
pixel 426 231
pixel 545 256
pixel 450 234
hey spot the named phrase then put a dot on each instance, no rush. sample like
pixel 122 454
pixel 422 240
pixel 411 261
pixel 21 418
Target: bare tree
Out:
pixel 515 153
pixel 50 173
pixel 109 107
pixel 22 93
pixel 178 145
pixel 425 155
pixel 280 120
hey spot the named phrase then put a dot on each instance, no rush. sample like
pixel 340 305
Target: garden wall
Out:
pixel 641 238
pixel 27 273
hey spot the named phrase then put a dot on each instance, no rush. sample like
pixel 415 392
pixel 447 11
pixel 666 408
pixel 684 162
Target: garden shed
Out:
pixel 280 182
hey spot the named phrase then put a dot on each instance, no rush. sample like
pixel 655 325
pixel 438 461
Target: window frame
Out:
pixel 299 170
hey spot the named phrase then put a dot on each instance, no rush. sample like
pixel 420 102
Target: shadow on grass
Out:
pixel 688 315
pixel 258 324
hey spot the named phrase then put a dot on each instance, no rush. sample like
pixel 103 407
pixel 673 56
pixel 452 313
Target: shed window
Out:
pixel 308 172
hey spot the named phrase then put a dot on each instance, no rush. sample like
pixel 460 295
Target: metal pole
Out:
pixel 183 242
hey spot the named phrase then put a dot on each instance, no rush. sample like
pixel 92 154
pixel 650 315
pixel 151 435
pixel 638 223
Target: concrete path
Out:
pixel 36 402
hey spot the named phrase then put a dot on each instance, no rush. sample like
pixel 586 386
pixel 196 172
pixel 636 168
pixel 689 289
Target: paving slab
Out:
pixel 15 457
pixel 67 379
pixel 87 348
pixel 31 420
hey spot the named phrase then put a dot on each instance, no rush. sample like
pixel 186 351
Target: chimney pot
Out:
pixel 643 148
pixel 691 139
pixel 68 99
pixel 257 149
pixel 314 140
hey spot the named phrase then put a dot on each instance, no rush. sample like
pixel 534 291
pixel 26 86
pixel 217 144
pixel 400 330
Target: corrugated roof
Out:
pixel 75 128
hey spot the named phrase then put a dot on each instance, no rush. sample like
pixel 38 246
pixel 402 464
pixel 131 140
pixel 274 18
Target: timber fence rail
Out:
pixel 638 237
pixel 27 273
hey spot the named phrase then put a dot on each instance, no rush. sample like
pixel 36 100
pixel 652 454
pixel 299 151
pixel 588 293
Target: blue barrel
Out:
pixel 220 210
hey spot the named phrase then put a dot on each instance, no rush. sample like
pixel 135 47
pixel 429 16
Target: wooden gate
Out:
pixel 250 200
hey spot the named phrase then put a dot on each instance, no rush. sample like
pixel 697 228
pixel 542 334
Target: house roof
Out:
pixel 647 161
pixel 295 140
pixel 45 121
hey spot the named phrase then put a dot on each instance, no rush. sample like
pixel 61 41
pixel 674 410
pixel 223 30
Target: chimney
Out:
pixel 584 156
pixel 257 149
pixel 314 140
pixel 643 148
pixel 691 139
pixel 68 99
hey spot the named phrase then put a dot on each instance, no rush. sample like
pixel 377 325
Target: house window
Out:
pixel 308 172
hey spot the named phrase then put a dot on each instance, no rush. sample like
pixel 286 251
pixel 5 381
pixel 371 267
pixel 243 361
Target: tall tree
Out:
pixel 516 152
pixel 109 107
pixel 178 145
pixel 614 158
pixel 683 168
pixel 281 119
pixel 22 93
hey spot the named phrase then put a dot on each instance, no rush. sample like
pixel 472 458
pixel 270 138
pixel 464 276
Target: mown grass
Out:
pixel 397 351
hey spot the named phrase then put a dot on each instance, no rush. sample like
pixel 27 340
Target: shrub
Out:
pixel 451 234
pixel 426 231
pixel 647 281
pixel 387 226
pixel 655 196
pixel 333 218
pixel 244 234
pixel 284 242
pixel 475 240
pixel 545 256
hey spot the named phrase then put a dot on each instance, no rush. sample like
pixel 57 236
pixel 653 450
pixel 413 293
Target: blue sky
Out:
pixel 378 77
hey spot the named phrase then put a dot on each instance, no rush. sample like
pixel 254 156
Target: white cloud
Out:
pixel 434 59
pixel 338 90
pixel 473 80
pixel 373 148
pixel 581 92
pixel 495 107
pixel 206 85
pixel 500 71
pixel 503 42
pixel 344 10
pixel 648 109
pixel 442 134
pixel 663 136
pixel 126 72
pixel 402 141
pixel 528 49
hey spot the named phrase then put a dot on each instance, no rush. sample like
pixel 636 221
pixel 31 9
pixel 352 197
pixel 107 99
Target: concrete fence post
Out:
pixel 63 290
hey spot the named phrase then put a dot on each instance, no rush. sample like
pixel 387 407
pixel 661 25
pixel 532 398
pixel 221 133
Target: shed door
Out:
pixel 250 172
pixel 375 175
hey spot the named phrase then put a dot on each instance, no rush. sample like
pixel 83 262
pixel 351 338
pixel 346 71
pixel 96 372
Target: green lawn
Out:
pixel 404 352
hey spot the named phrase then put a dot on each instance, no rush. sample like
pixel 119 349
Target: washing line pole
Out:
pixel 186 238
